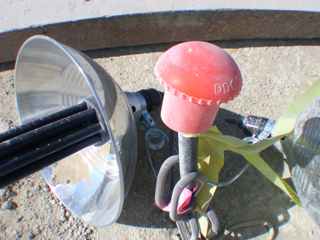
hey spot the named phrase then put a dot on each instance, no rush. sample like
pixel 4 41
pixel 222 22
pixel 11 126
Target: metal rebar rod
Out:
pixel 188 156
pixel 37 136
pixel 46 148
pixel 171 147
pixel 42 121
pixel 46 161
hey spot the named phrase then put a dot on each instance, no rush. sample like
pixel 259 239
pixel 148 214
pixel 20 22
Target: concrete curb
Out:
pixel 158 27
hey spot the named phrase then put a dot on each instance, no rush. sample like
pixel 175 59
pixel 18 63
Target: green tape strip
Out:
pixel 211 154
pixel 286 122
pixel 211 159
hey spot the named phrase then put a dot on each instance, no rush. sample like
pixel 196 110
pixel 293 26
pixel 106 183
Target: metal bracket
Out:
pixel 147 120
pixel 268 129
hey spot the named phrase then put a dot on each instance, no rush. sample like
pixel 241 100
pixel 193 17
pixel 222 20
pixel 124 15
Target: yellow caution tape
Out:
pixel 211 154
pixel 286 122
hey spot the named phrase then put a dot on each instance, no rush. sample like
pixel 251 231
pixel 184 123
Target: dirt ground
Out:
pixel 275 73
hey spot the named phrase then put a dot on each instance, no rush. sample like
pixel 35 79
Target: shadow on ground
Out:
pixel 251 197
pixel 161 47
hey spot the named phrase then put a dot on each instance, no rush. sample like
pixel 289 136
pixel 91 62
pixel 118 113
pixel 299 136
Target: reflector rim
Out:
pixel 100 105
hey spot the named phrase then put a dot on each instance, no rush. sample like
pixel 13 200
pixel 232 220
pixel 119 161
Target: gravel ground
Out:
pixel 274 73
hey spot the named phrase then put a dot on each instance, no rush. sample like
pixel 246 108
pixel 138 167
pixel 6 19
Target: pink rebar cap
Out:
pixel 197 77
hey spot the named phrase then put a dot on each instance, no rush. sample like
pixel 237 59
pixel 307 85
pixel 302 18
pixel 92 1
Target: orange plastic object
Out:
pixel 197 77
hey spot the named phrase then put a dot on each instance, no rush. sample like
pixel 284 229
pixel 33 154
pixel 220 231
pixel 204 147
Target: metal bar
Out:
pixel 161 199
pixel 183 230
pixel 171 147
pixel 46 149
pixel 188 156
pixel 42 121
pixel 38 136
pixel 46 161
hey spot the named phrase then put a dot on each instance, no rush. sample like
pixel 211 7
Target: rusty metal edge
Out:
pixel 150 28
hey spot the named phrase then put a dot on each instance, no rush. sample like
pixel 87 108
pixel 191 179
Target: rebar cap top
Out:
pixel 197 77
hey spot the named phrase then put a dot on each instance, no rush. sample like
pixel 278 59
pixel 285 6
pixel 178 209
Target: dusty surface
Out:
pixel 275 73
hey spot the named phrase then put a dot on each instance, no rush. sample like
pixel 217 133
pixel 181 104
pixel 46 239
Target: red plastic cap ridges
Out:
pixel 197 77
pixel 199 72
pixel 192 99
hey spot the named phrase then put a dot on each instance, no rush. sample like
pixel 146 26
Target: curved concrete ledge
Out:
pixel 158 27
pixel 17 14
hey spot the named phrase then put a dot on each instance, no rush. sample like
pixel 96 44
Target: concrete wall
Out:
pixel 94 24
